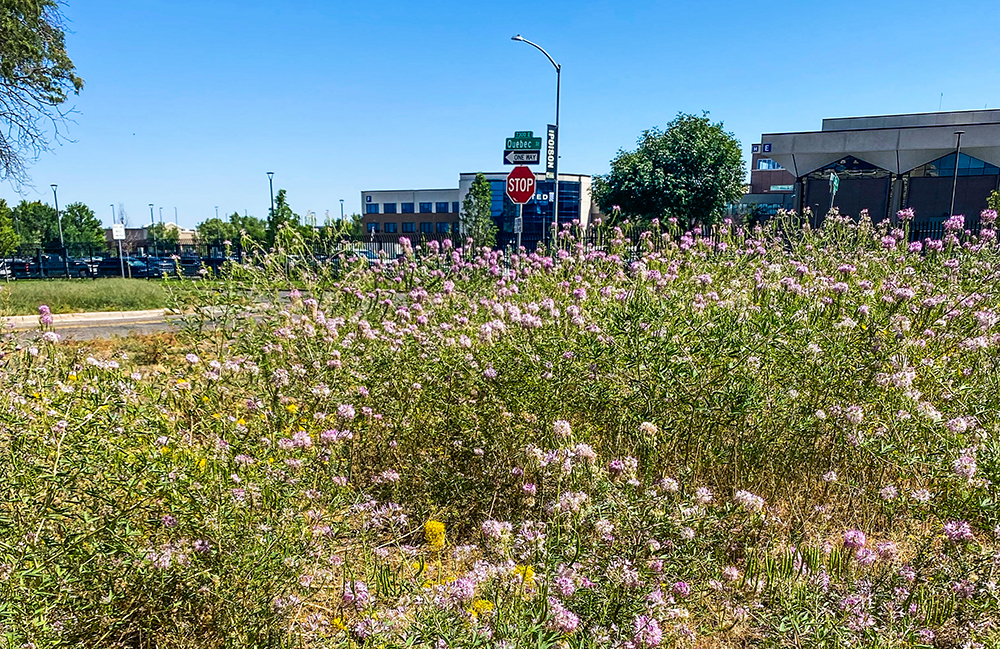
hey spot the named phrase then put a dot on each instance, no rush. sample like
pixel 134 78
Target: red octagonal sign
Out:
pixel 521 185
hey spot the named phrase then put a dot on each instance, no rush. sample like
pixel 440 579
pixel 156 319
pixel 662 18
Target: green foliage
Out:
pixel 36 74
pixel 994 201
pixel 37 224
pixel 164 235
pixel 214 231
pixel 81 226
pixel 250 226
pixel 9 239
pixel 477 219
pixel 363 452
pixel 690 172
pixel 283 218
pixel 79 296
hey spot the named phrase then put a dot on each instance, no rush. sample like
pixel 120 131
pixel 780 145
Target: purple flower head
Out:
pixel 647 632
pixel 681 589
pixel 854 539
pixel 356 592
pixel 958 531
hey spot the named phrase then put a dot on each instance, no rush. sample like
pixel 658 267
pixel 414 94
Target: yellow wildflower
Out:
pixel 202 463
pixel 481 606
pixel 292 408
pixel 526 573
pixel 434 532
pixel 72 377
pixel 338 622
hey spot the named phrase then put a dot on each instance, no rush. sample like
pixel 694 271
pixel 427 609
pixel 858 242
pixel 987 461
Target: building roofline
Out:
pixel 930 112
pixel 447 189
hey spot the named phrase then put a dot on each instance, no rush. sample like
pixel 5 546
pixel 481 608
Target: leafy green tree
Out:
pixel 164 235
pixel 993 202
pixel 477 217
pixel 215 231
pixel 36 75
pixel 690 171
pixel 82 227
pixel 282 216
pixel 255 229
pixel 36 223
pixel 9 239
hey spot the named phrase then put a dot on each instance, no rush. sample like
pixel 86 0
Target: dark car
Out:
pixel 50 265
pixel 113 266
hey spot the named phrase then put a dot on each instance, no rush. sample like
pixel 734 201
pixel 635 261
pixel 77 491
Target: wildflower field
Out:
pixel 777 437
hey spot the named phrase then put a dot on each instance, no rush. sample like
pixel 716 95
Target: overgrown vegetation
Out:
pixel 78 296
pixel 767 438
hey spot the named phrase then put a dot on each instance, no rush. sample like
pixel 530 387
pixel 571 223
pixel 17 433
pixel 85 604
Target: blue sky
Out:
pixel 187 104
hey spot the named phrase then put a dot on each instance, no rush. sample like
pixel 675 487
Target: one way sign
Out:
pixel 522 157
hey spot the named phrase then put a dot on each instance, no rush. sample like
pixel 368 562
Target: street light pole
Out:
pixel 555 207
pixel 62 245
pixel 342 210
pixel 270 183
pixel 152 222
pixel 55 195
pixel 954 180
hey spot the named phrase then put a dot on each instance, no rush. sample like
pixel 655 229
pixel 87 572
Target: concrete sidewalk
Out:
pixel 96 318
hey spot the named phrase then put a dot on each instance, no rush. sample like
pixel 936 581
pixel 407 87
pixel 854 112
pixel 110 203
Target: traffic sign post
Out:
pixel 519 226
pixel 521 157
pixel 520 185
pixel 118 234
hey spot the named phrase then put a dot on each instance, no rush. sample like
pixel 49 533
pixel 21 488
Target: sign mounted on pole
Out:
pixel 551 153
pixel 118 231
pixel 524 141
pixel 521 185
pixel 522 157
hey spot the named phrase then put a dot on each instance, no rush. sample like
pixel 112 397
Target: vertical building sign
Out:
pixel 551 152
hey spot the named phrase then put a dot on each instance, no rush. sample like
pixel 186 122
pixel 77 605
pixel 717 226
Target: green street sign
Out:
pixel 834 182
pixel 523 141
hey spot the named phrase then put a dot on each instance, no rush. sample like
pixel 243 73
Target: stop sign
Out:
pixel 521 185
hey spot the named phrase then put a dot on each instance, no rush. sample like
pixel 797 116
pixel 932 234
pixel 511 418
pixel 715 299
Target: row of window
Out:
pixel 410 226
pixel 407 208
pixel 766 164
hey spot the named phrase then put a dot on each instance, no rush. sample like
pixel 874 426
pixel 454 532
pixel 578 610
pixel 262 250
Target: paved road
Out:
pixel 106 329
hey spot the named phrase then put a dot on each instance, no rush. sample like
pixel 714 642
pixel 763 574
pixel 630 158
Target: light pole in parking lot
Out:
pixel 62 245
pixel 555 163
pixel 270 182
pixel 152 222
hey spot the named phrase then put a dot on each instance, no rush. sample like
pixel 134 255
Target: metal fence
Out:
pixel 154 261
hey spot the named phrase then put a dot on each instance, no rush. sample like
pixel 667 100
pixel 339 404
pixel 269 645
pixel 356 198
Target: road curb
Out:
pixel 22 322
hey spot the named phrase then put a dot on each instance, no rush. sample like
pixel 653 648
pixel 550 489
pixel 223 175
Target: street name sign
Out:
pixel 551 152
pixel 521 185
pixel 524 141
pixel 521 157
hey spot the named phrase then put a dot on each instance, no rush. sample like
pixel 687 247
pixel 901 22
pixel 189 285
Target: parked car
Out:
pixel 50 265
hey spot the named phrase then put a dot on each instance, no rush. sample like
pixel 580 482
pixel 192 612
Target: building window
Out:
pixel 371 208
pixel 767 164
pixel 425 208
pixel 945 167
pixel 442 208
pixel 372 227
pixel 390 228
pixel 408 226
pixel 425 227
pixel 454 227
pixel 454 207
pixel 406 208
pixel 390 208
pixel 442 228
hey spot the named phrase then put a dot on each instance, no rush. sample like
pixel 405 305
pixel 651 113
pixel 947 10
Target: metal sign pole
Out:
pixel 121 259
pixel 520 220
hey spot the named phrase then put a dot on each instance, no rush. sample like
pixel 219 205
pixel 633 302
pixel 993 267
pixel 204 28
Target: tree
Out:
pixel 477 216
pixel 164 235
pixel 215 232
pixel 81 226
pixel 253 228
pixel 282 215
pixel 9 240
pixel 36 74
pixel 36 223
pixel 690 171
pixel 993 202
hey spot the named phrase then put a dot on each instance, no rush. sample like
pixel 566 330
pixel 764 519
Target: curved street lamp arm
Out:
pixel 539 48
